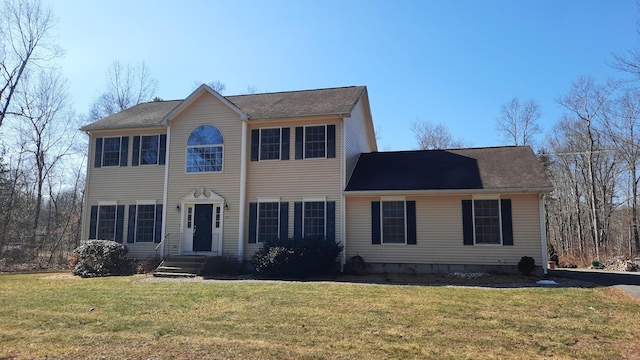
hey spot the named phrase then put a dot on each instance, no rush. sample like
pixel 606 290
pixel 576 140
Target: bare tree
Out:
pixel 45 130
pixel 126 86
pixel 431 136
pixel 587 102
pixel 517 123
pixel 216 85
pixel 25 42
pixel 251 89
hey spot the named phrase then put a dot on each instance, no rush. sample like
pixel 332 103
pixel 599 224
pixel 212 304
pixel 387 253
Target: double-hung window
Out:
pixel 487 221
pixel 268 221
pixel 149 149
pixel 145 223
pixel 205 148
pixel 270 144
pixel 393 221
pixel 106 222
pixel 111 151
pixel 316 141
pixel 314 219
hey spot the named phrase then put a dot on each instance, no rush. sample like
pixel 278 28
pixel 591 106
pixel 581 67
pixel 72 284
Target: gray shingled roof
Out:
pixel 492 168
pixel 333 101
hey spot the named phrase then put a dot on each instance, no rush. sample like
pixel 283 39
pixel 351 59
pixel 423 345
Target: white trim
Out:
pixel 304 141
pixel 243 190
pixel 202 196
pixel 107 203
pixel 146 202
pixel 268 199
pixel 473 213
pixel 393 198
pixel 196 94
pixel 543 233
pixel 140 150
pixel 279 143
pixel 343 184
pixel 258 217
pixel 119 151
pixel 165 207
pixel 314 199
pixel 485 196
pixel 85 206
pixel 404 202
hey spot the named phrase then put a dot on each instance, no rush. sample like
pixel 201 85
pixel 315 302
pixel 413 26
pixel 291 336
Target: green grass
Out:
pixel 49 317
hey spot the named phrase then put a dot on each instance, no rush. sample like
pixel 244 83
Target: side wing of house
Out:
pixel 124 188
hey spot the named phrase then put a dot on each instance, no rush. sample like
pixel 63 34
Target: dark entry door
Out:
pixel 202 227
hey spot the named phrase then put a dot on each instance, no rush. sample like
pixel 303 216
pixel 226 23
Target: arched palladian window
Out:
pixel 205 149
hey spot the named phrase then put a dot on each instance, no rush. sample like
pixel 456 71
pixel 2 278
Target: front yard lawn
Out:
pixel 45 316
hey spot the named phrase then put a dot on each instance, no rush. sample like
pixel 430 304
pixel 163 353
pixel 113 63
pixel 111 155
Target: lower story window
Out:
pixel 393 222
pixel 145 223
pixel 487 221
pixel 268 215
pixel 314 219
pixel 106 222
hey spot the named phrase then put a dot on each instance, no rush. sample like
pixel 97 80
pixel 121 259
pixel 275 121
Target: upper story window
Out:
pixel 205 150
pixel 317 141
pixel 149 148
pixel 270 144
pixel 111 151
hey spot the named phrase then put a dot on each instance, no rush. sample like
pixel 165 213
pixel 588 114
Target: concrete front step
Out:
pixel 180 266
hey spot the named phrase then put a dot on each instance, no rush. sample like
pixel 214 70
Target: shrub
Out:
pixel 526 265
pixel 296 258
pixel 553 254
pixel 221 265
pixel 146 266
pixel 101 258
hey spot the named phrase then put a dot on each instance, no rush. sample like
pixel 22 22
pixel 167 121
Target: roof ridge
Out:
pixel 297 91
pixel 450 149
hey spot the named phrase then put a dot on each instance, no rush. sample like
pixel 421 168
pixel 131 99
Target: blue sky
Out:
pixel 454 62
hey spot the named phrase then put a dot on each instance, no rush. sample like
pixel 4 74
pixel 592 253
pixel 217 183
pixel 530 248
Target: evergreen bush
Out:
pixel 101 258
pixel 526 265
pixel 297 257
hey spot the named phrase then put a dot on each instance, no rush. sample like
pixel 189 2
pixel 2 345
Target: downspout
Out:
pixel 543 232
pixel 243 191
pixel 164 193
pixel 343 181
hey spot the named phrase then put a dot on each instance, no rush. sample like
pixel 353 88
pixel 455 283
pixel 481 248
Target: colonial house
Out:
pixel 215 175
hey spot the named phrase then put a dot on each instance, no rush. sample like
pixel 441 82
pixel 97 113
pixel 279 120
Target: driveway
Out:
pixel 627 281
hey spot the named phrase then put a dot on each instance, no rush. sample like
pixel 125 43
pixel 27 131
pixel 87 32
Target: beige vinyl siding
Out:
pixel 293 180
pixel 356 141
pixel 439 233
pixel 206 110
pixel 123 184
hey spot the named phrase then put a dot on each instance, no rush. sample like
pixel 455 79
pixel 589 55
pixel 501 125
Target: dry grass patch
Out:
pixel 123 318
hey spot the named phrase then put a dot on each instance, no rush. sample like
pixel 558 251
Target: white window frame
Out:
pixel 279 143
pixel 304 214
pixel 115 220
pixel 267 201
pixel 473 209
pixel 304 141
pixel 140 151
pixel 104 146
pixel 187 147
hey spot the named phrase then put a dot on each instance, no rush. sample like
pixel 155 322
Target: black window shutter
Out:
pixel 299 142
pixel 119 222
pixel 124 150
pixel 411 223
pixel 284 220
pixel 253 223
pixel 162 156
pixel 375 222
pixel 284 144
pixel 467 222
pixel 507 222
pixel 98 154
pixel 297 220
pixel 131 229
pixel 94 222
pixel 135 153
pixel 331 220
pixel 158 230
pixel 331 141
pixel 255 144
